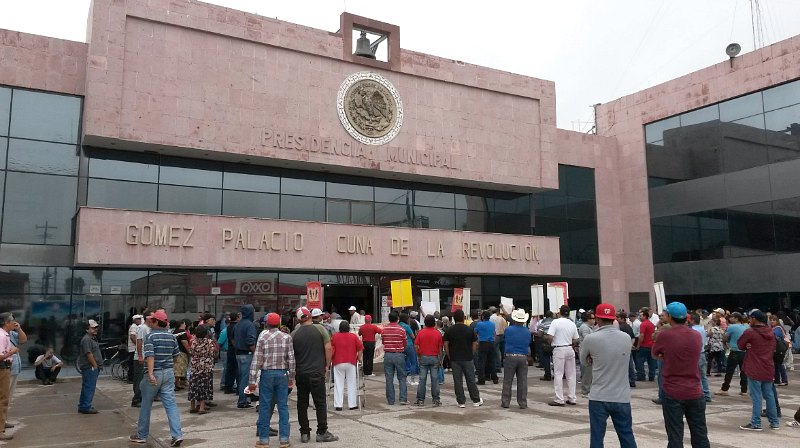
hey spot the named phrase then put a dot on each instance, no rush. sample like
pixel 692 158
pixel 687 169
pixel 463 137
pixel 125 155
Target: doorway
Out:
pixel 342 297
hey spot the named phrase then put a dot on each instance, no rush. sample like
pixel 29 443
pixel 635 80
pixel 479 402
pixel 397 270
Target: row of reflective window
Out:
pixel 745 132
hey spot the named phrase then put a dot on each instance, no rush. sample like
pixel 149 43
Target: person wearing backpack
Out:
pixel 781 347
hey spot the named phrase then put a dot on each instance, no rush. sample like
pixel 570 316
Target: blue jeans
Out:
pixel 642 356
pixel 395 363
pixel 703 378
pixel 695 412
pixel 428 365
pixel 412 367
pixel 243 362
pixel 273 384
pixel 164 388
pixel 762 390
pixel 620 414
pixel 660 381
pixel 88 386
pixel 632 369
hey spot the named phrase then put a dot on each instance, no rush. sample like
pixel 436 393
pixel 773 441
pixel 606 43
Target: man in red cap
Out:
pixel 607 352
pixel 367 333
pixel 274 358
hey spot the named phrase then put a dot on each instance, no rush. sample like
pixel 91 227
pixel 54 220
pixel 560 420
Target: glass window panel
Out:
pixel 393 215
pixel 231 283
pixel 704 115
pixel 434 218
pixel 509 223
pixel 751 230
pixel 580 181
pixel 189 283
pixel 124 166
pixel 42 157
pixel 128 282
pixel 782 96
pixel 661 236
pixel 45 116
pixel 246 203
pixel 2 187
pixel 471 220
pixel 349 191
pixel 204 201
pixel 294 283
pixel 582 242
pixel 519 204
pixel 741 107
pixel 302 187
pixel 392 195
pixel 548 226
pixel 362 213
pixel 786 215
pixel 5 109
pixel 194 177
pixel 303 208
pixel 434 199
pixel 581 209
pixel 747 186
pixel 655 131
pixel 550 205
pixel 784 181
pixel 783 133
pixel 3 148
pixel 252 182
pixel 39 208
pixel 121 194
pixel 35 280
pixel 338 211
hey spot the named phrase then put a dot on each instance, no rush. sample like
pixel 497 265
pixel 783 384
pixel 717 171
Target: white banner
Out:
pixel 507 303
pixel 661 298
pixel 537 300
pixel 556 294
pixel 465 302
pixel 431 295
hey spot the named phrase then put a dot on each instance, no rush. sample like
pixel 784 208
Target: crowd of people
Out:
pixel 605 351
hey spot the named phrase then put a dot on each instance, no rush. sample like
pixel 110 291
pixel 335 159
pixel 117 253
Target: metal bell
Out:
pixel 363 47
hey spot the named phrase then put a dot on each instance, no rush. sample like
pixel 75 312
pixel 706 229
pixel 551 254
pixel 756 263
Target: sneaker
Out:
pixel 774 426
pixel 793 424
pixel 723 393
pixel 134 438
pixel 285 444
pixel 750 427
pixel 744 393
pixel 436 403
pixel 304 438
pixel 87 411
pixel 419 403
pixel 571 403
pixel 462 405
pixel 555 403
pixel 327 437
pixel 404 403
pixel 546 378
pixel 175 442
pixel 244 406
pixel 478 404
pixel 338 409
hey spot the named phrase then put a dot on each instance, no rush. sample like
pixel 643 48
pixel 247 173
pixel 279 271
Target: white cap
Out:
pixel 138 316
pixel 316 312
pixel 93 323
pixel 352 308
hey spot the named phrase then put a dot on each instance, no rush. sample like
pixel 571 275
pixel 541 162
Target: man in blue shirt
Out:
pixel 160 350
pixel 486 355
pixel 244 342
pixel 517 346
pixel 736 358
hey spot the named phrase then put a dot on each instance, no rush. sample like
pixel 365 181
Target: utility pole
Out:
pixel 46 275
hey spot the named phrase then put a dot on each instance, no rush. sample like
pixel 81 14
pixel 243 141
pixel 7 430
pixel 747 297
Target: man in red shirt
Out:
pixel 679 349
pixel 394 359
pixel 429 347
pixel 367 333
pixel 643 354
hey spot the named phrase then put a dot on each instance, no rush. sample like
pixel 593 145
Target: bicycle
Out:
pixel 115 358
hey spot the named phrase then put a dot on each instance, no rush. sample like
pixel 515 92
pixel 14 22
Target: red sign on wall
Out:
pixel 314 295
pixel 458 299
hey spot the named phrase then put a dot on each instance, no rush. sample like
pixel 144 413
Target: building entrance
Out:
pixel 341 297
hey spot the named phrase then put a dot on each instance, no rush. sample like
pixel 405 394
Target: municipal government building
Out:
pixel 196 158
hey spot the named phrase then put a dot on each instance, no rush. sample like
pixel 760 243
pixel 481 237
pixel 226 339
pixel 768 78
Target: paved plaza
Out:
pixel 47 417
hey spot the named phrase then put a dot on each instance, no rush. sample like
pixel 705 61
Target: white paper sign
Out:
pixel 427 308
pixel 537 300
pixel 215 290
pixel 555 294
pixel 116 290
pixel 661 298
pixel 465 302
pixel 507 303
pixel 431 296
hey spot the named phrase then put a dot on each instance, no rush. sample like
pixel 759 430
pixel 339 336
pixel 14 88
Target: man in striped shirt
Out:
pixel 274 361
pixel 394 359
pixel 160 350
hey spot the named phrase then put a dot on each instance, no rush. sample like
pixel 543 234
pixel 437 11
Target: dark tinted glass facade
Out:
pixel 725 200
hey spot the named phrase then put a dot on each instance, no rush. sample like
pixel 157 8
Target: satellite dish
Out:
pixel 733 50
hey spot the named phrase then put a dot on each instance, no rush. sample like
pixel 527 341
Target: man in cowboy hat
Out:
pixel 517 347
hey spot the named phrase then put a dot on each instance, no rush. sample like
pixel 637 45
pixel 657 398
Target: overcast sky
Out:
pixel 594 50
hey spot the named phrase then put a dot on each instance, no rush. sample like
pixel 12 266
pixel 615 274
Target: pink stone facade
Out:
pixel 43 63
pixel 130 238
pixel 169 74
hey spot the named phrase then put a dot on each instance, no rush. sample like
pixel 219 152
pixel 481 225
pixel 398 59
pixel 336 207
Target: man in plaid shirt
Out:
pixel 274 358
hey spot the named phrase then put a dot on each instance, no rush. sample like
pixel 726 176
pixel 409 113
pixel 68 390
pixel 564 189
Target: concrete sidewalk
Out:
pixel 47 417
